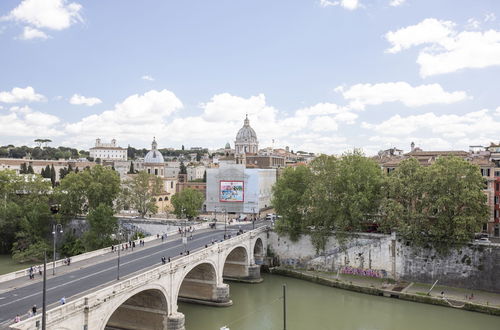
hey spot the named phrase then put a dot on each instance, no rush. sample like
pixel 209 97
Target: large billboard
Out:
pixel 231 191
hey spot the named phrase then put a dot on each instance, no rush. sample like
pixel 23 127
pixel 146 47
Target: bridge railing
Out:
pixel 81 257
pixel 94 299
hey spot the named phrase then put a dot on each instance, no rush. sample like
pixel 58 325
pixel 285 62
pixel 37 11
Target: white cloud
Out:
pixel 396 3
pixel 88 101
pixel 473 24
pixel 138 117
pixel 17 95
pixel 31 33
pixel 49 14
pixel 323 124
pixel 454 129
pixel 430 30
pixel 448 50
pixel 321 109
pixel 25 109
pixel 490 17
pixel 347 4
pixel 147 77
pixel 361 95
pixel 28 124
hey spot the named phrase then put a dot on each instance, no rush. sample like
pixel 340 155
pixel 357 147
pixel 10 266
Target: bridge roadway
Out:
pixel 20 300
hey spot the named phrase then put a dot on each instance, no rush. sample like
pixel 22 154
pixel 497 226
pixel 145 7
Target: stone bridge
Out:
pixel 149 300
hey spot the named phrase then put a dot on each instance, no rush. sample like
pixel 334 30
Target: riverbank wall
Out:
pixel 474 266
pixel 315 278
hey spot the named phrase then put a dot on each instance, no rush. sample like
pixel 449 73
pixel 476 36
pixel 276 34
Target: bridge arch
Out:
pixel 199 282
pixel 258 251
pixel 146 307
pixel 236 262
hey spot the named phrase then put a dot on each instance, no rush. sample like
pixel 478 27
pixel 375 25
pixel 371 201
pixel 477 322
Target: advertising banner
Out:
pixel 231 191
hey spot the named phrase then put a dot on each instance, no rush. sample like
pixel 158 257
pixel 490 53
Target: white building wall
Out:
pixel 257 186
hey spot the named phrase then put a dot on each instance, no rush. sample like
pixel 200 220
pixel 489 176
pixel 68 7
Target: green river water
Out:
pixel 312 307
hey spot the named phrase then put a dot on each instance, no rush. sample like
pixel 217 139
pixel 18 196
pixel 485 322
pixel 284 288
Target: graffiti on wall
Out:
pixel 363 272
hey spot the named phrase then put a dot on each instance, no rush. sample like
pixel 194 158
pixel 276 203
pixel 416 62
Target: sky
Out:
pixel 322 76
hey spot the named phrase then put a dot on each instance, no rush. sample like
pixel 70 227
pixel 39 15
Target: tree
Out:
pixel 205 176
pixel 142 189
pixel 340 194
pixel 288 200
pixel 24 214
pixel 30 170
pixel 23 169
pixel 53 175
pixel 87 188
pixel 47 172
pixel 182 168
pixel 102 224
pixel 441 205
pixel 131 169
pixel 187 203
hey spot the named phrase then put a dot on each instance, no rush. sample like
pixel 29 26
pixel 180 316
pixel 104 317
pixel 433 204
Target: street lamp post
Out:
pixel 253 218
pixel 225 225
pixel 54 232
pixel 119 248
pixel 184 235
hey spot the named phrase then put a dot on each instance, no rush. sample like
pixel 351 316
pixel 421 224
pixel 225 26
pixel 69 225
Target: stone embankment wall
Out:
pixel 476 266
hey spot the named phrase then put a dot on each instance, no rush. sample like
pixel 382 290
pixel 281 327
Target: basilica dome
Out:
pixel 246 133
pixel 154 156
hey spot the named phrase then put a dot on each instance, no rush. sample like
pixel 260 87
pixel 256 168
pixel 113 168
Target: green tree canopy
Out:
pixel 141 191
pixel 337 194
pixel 441 205
pixel 289 202
pixel 187 203
pixel 87 189
pixel 102 224
pixel 24 214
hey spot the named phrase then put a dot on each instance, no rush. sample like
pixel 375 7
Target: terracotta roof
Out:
pixel 437 153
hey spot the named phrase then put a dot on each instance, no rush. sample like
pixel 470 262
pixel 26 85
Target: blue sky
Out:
pixel 316 75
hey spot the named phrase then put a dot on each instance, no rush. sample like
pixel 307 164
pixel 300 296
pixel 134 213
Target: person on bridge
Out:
pixel 62 301
pixel 33 310
pixel 17 319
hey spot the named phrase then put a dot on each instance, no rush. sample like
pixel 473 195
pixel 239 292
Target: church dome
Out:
pixel 154 156
pixel 246 133
pixel 228 146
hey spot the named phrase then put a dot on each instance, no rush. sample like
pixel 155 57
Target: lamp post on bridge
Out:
pixel 55 230
pixel 119 234
pixel 253 218
pixel 184 233
pixel 225 223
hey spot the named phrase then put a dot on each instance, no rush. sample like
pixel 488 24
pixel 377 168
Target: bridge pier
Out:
pixel 249 274
pixel 176 322
pixel 219 298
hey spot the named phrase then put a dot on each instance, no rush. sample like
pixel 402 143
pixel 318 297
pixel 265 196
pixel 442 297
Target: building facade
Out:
pixel 108 151
pixel 235 189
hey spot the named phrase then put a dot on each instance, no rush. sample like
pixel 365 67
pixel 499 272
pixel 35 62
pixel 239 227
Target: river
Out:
pixel 313 307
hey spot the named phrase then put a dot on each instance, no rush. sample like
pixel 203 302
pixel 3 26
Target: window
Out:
pixel 497 198
pixel 497 173
pixel 485 172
